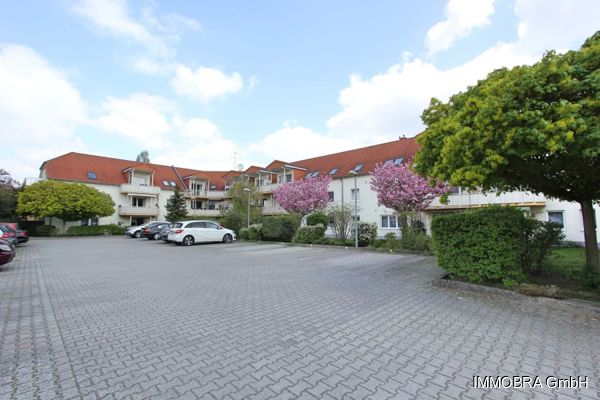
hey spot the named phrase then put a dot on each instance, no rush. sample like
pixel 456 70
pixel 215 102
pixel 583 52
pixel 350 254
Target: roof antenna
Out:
pixel 402 137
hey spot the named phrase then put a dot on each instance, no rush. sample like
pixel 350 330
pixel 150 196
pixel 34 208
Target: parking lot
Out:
pixel 125 318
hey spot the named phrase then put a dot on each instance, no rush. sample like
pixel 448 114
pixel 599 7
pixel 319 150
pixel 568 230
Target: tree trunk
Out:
pixel 592 259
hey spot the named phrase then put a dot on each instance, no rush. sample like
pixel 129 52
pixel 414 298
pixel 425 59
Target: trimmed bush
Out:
pixel 316 218
pixel 481 245
pixel 243 235
pixel 45 230
pixel 280 228
pixel 255 232
pixel 309 234
pixel 367 232
pixel 96 230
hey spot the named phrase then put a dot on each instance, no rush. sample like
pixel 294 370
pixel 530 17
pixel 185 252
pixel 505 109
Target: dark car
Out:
pixel 7 252
pixel 22 236
pixel 164 233
pixel 8 234
pixel 153 229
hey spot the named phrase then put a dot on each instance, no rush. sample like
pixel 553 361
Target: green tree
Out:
pixel 176 208
pixel 236 215
pixel 8 195
pixel 67 201
pixel 534 128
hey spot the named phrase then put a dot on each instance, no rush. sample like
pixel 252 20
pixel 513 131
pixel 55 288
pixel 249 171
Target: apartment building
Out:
pixel 140 191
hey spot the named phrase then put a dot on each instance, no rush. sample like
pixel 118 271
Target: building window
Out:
pixel 389 221
pixel 213 187
pixel 331 196
pixel 166 183
pixel 556 217
pixel 89 221
pixel 196 205
pixel 398 160
pixel 358 167
pixel 212 205
pixel 91 175
pixel 333 171
pixel 173 184
pixel 138 201
pixel 355 194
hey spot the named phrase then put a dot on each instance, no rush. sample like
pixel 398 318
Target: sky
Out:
pixel 219 84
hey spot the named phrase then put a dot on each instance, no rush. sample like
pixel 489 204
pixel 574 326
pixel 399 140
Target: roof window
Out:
pixel 91 175
pixel 313 174
pixel 358 167
pixel 333 171
pixel 388 162
pixel 173 184
pixel 398 160
pixel 165 182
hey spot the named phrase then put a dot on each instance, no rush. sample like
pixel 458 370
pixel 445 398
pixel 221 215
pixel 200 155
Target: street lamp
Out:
pixel 353 172
pixel 248 190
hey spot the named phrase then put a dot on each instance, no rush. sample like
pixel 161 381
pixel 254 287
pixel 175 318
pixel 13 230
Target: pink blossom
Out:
pixel 303 196
pixel 399 189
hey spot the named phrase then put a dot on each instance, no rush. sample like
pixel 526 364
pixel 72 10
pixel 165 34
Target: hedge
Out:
pixel 309 234
pixel 316 218
pixel 481 245
pixel 96 230
pixel 255 232
pixel 45 230
pixel 280 228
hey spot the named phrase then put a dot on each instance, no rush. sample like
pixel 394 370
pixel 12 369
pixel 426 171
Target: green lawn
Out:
pixel 568 261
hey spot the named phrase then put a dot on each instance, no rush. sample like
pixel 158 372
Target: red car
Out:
pixel 7 252
pixel 21 235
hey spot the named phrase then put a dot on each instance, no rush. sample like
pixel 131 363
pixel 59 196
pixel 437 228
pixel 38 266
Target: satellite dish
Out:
pixel 240 167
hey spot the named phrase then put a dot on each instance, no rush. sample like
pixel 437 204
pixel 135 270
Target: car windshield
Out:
pixel 177 225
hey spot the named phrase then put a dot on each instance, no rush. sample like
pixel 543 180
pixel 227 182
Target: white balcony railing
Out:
pixel 137 189
pixel 196 193
pixel 468 200
pixel 216 194
pixel 131 210
pixel 204 213
pixel 267 188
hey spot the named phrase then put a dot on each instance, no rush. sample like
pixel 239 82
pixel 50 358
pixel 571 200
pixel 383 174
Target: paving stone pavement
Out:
pixel 116 318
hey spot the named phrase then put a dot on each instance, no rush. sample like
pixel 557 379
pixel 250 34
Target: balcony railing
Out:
pixel 196 193
pixel 469 200
pixel 137 189
pixel 270 210
pixel 267 188
pixel 204 213
pixel 141 211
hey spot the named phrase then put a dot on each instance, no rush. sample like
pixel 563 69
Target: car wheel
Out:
pixel 156 236
pixel 137 234
pixel 188 240
pixel 227 238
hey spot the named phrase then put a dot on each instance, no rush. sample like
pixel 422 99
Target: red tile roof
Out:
pixel 346 161
pixel 75 167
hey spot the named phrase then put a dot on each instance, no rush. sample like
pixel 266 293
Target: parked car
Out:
pixel 22 235
pixel 190 232
pixel 8 234
pixel 164 233
pixel 7 252
pixel 152 230
pixel 136 231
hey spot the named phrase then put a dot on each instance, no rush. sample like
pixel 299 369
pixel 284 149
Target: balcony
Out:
pixel 216 194
pixel 472 200
pixel 138 211
pixel 204 213
pixel 196 193
pixel 137 189
pixel 268 188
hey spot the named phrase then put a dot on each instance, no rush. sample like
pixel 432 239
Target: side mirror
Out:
pixel 219 227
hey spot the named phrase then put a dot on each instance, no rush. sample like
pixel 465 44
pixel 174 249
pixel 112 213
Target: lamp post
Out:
pixel 353 172
pixel 248 190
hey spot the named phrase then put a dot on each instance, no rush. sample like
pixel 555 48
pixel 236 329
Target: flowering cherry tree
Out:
pixel 400 189
pixel 303 196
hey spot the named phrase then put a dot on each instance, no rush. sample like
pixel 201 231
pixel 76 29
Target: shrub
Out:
pixel 539 238
pixel 280 228
pixel 45 230
pixel 367 232
pixel 309 234
pixel 316 218
pixel 415 240
pixel 243 235
pixel 255 232
pixel 95 230
pixel 232 220
pixel 481 245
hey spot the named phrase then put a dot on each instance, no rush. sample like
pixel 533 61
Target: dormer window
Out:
pixel 91 175
pixel 358 167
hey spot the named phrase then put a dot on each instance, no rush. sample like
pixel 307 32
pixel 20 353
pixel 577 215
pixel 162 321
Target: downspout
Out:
pixel 180 178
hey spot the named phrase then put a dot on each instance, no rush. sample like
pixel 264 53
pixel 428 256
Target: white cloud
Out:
pixel 205 84
pixel 141 118
pixel 390 103
pixel 200 145
pixel 39 111
pixel 462 16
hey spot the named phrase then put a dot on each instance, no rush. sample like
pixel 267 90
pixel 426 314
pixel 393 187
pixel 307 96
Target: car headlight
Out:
pixel 5 247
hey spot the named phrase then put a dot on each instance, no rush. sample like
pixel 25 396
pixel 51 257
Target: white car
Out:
pixel 190 232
